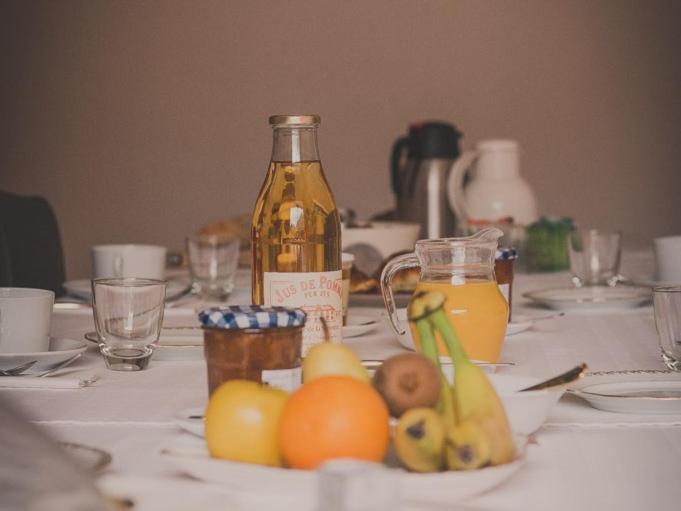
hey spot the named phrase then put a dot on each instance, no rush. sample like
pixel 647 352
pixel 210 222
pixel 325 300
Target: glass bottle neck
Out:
pixel 295 144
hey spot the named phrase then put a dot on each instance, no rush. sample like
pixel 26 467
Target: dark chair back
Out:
pixel 30 247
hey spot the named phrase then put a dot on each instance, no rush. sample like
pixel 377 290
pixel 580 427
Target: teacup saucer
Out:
pixel 359 325
pixel 171 347
pixel 82 289
pixel 592 298
pixel 60 350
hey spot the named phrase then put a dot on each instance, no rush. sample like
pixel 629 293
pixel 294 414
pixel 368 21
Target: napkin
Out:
pixel 34 382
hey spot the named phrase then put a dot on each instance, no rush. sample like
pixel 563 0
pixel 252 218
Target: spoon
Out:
pixel 562 379
pixel 16 371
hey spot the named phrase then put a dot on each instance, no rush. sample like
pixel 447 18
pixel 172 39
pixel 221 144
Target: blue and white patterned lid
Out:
pixel 506 253
pixel 251 316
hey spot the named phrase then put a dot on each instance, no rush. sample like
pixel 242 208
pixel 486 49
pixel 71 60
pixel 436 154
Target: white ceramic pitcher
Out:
pixel 496 190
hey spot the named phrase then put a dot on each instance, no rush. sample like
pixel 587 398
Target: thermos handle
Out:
pixel 398 148
pixel 394 265
pixel 455 192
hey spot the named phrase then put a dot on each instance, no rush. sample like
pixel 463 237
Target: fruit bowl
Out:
pixel 526 411
pixel 189 455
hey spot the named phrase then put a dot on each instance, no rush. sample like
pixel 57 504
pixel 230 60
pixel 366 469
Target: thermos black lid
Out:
pixel 433 139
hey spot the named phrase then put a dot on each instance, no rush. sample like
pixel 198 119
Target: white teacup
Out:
pixel 668 257
pixel 25 316
pixel 123 261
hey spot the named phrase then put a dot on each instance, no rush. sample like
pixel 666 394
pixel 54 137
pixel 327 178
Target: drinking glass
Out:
pixel 128 317
pixel 594 257
pixel 667 306
pixel 212 264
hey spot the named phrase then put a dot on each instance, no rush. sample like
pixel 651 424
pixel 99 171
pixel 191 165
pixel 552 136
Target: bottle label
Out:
pixel 284 379
pixel 319 294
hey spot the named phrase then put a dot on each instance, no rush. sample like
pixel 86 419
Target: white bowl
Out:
pixel 372 245
pixel 526 411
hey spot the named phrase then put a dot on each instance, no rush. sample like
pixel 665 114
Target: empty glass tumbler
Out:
pixel 667 305
pixel 128 315
pixel 594 257
pixel 213 261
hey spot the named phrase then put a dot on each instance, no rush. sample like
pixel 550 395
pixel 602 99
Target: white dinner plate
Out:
pixel 170 347
pixel 82 289
pixel 526 411
pixel 359 325
pixel 189 455
pixel 60 350
pixel 596 298
pixel 639 391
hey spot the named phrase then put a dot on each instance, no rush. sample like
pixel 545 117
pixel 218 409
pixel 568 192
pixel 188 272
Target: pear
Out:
pixel 420 439
pixel 330 358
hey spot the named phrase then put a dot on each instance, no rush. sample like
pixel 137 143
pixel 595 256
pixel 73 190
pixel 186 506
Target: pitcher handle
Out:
pixel 394 265
pixel 455 193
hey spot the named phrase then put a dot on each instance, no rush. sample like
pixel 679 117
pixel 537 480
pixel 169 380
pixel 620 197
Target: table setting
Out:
pixel 385 368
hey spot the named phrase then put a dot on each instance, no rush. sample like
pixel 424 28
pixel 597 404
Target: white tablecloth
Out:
pixel 584 458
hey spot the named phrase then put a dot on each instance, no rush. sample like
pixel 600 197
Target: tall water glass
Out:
pixel 213 261
pixel 667 306
pixel 594 257
pixel 128 317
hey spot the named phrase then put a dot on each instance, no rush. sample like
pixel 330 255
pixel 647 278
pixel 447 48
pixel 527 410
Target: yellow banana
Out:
pixel 419 440
pixel 474 397
pixel 467 447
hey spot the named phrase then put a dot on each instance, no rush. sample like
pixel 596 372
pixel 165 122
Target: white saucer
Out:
pixel 82 289
pixel 170 347
pixel 596 298
pixel 640 391
pixel 60 350
pixel 650 282
pixel 359 325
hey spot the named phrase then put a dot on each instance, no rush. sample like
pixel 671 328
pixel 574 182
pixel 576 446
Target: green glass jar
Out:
pixel 546 244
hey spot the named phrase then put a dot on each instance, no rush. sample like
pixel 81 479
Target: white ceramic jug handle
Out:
pixel 394 265
pixel 455 192
pixel 118 266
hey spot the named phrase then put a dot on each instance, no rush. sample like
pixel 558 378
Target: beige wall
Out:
pixel 141 120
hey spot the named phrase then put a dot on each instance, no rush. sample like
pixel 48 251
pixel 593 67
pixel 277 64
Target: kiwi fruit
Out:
pixel 407 380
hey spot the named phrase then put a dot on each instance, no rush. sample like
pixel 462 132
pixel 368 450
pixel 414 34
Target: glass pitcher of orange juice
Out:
pixel 462 270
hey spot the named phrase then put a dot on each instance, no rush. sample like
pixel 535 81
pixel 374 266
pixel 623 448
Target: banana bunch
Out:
pixel 468 428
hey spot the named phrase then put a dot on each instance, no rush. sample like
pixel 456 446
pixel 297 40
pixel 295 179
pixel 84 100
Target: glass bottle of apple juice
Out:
pixel 296 231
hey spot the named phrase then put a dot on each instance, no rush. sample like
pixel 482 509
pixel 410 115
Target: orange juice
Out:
pixel 477 311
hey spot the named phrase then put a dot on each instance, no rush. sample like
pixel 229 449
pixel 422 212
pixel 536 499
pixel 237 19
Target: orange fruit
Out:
pixel 333 417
